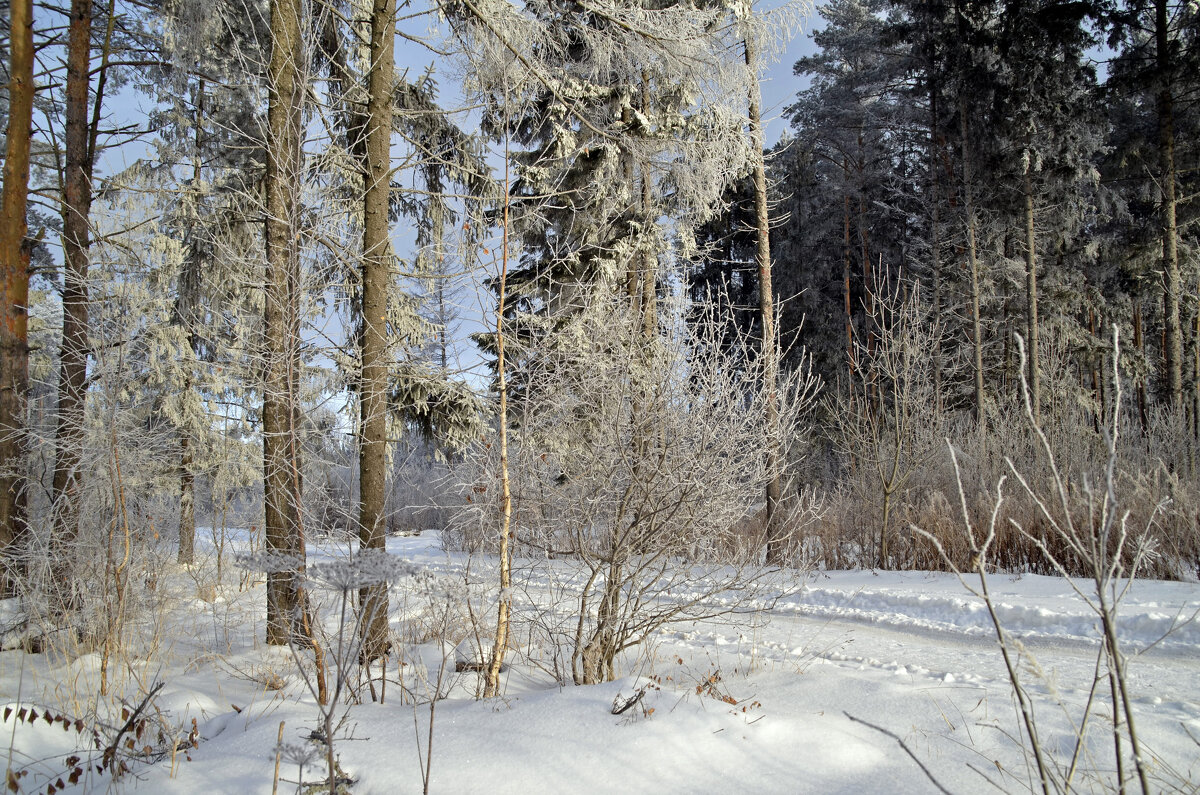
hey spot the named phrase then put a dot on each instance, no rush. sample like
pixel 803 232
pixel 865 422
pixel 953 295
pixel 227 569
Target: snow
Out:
pixel 780 702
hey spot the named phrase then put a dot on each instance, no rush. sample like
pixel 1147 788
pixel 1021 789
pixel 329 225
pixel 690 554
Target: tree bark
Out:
pixel 76 208
pixel 1139 346
pixel 376 278
pixel 766 307
pixel 1172 278
pixel 14 259
pixel 504 603
pixel 1031 296
pixel 850 358
pixel 936 142
pixel 187 304
pixel 973 265
pixel 280 489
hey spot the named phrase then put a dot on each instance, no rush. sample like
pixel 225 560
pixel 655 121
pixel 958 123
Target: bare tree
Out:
pixel 1084 528
pixel 894 430
pixel 625 526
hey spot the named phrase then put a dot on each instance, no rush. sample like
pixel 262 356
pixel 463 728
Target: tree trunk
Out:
pixel 376 279
pixel 1031 296
pixel 1172 279
pixel 14 259
pixel 973 265
pixel 187 504
pixel 187 302
pixel 850 358
pixel 504 603
pixel 1196 372
pixel 280 492
pixel 649 298
pixel 935 231
pixel 766 308
pixel 1139 346
pixel 77 203
pixel 1094 367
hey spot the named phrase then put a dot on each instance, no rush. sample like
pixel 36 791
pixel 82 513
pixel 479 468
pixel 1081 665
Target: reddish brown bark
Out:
pixel 73 351
pixel 14 259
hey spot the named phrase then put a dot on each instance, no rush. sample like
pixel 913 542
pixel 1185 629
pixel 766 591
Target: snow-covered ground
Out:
pixel 813 695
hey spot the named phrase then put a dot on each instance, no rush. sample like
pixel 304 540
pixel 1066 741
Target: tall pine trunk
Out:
pixel 1172 278
pixel 766 307
pixel 376 277
pixel 281 488
pixel 14 259
pixel 73 352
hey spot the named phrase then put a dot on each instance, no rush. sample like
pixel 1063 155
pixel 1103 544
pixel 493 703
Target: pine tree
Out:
pixel 95 49
pixel 14 260
pixel 206 130
pixel 1153 159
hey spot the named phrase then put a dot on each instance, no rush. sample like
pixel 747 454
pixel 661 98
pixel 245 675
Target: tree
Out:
pixel 14 259
pixel 282 485
pixel 1153 111
pixel 851 126
pixel 633 523
pixel 1172 281
pixel 80 157
pixel 376 279
pixel 80 149
pixel 895 433
pixel 766 297
pixel 618 121
pixel 209 167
